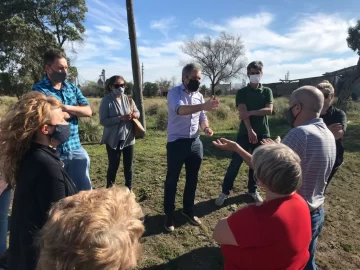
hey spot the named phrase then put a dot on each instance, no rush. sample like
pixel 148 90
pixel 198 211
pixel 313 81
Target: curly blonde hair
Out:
pixel 98 230
pixel 18 127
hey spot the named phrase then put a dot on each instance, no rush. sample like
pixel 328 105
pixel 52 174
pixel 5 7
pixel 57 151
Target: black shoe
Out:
pixel 3 262
pixel 194 220
pixel 169 223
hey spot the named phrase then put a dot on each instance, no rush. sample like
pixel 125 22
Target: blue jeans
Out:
pixel 5 198
pixel 77 165
pixel 317 221
pixel 235 164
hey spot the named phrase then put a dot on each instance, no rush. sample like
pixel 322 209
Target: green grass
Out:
pixel 192 247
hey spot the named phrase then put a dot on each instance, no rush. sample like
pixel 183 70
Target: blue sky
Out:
pixel 306 38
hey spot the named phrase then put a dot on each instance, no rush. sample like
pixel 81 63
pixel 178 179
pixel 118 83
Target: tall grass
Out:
pixel 225 118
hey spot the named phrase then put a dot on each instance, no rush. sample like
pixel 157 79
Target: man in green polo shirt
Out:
pixel 254 102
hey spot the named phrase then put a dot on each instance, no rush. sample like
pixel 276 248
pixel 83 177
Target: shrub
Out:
pixel 281 105
pixel 153 109
pixel 161 119
pixel 222 112
pixel 90 130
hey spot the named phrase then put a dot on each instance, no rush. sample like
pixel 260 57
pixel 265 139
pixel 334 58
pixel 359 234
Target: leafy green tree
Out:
pixel 353 41
pixel 129 88
pixel 92 89
pixel 203 89
pixel 28 29
pixel 63 19
pixel 151 89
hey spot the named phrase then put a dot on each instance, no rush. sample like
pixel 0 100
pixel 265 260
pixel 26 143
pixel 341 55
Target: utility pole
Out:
pixel 138 95
pixel 142 75
pixel 103 75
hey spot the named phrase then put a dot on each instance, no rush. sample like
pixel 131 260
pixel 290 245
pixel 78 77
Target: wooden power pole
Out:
pixel 137 92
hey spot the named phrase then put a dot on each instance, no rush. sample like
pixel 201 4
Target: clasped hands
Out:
pixel 128 117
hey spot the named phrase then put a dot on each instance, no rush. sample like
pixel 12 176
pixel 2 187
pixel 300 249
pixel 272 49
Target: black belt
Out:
pixel 317 210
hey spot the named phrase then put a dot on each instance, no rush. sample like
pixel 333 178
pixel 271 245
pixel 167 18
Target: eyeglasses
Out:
pixel 326 95
pixel 119 85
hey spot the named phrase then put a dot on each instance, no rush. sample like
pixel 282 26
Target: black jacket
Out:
pixel 334 115
pixel 41 181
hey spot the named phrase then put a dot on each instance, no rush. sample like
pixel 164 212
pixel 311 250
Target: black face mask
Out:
pixel 193 85
pixel 290 117
pixel 61 133
pixel 58 76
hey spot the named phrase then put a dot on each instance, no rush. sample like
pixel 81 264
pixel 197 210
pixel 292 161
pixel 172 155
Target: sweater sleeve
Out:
pixel 104 117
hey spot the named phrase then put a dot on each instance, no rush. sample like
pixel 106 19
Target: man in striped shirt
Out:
pixel 315 144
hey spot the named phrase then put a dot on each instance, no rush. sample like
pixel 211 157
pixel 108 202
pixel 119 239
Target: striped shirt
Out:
pixel 315 144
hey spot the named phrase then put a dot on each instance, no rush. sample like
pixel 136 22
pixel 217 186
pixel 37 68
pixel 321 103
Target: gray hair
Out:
pixel 189 68
pixel 277 167
pixel 310 98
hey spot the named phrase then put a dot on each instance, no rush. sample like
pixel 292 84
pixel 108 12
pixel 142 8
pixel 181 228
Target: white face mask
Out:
pixel 255 78
pixel 118 91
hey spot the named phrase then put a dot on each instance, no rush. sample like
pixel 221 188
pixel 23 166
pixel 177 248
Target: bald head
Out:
pixel 311 98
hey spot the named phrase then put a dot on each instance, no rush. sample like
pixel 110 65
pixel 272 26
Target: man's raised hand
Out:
pixel 212 104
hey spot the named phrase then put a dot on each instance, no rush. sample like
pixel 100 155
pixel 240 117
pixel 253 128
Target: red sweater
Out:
pixel 274 235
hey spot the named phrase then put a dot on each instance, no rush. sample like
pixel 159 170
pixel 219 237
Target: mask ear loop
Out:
pixel 299 111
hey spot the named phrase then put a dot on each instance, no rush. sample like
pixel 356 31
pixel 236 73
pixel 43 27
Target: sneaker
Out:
pixel 194 220
pixel 169 223
pixel 221 199
pixel 256 196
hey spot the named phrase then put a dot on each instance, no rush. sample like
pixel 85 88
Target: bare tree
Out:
pixel 164 84
pixel 137 90
pixel 222 58
pixel 353 41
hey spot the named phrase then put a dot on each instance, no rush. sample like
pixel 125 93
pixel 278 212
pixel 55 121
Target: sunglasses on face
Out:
pixel 119 85
pixel 326 95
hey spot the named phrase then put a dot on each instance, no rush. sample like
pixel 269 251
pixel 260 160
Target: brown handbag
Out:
pixel 138 129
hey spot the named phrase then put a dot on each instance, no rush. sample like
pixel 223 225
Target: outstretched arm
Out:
pixel 234 147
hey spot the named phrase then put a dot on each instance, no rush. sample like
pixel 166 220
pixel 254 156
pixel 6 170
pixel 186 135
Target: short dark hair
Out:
pixel 51 55
pixel 255 65
pixel 111 81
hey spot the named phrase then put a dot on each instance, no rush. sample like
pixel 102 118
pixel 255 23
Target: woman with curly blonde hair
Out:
pixel 82 233
pixel 30 133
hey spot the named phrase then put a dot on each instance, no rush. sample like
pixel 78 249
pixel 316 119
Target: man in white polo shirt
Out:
pixel 315 144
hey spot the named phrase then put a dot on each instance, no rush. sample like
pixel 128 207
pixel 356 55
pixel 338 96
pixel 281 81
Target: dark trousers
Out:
pixel 190 152
pixel 333 171
pixel 235 164
pixel 114 156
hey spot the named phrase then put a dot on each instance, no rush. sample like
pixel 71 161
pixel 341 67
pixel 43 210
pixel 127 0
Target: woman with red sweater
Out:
pixel 275 234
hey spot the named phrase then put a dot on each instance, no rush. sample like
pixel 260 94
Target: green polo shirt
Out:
pixel 255 99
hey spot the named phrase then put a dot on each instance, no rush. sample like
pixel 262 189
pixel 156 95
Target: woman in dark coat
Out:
pixel 30 133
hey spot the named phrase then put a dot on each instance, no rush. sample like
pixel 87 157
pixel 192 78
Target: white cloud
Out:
pixel 312 68
pixel 312 46
pixel 164 25
pixel 104 28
